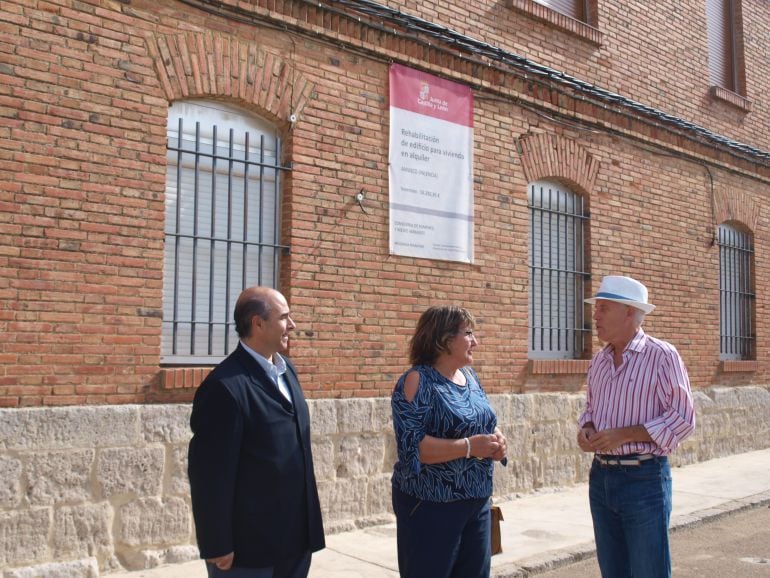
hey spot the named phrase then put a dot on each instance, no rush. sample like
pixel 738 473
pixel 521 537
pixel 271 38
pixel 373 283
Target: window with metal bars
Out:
pixel 223 184
pixel 557 272
pixel 736 296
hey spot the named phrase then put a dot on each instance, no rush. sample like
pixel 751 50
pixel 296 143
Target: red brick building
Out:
pixel 618 103
pixel 126 232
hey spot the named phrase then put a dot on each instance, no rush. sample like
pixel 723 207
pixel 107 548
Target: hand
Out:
pixel 485 445
pixel 223 562
pixel 502 451
pixel 607 440
pixel 584 438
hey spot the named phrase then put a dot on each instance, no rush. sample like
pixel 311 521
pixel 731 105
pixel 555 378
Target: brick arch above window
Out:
pixel 731 205
pixel 216 65
pixel 549 156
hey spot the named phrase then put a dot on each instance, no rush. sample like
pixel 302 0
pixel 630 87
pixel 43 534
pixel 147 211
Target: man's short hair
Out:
pixel 245 310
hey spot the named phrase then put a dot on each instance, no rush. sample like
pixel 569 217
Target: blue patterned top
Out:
pixel 441 409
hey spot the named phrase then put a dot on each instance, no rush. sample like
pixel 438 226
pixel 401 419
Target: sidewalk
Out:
pixel 541 530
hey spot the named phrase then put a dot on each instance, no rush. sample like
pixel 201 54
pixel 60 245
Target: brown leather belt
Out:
pixel 623 460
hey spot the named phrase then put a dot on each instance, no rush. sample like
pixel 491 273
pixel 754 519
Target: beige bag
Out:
pixel 496 516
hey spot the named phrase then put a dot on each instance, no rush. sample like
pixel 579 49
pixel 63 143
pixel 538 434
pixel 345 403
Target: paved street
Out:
pixel 734 546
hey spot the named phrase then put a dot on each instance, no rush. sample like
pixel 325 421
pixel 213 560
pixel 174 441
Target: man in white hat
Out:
pixel 638 409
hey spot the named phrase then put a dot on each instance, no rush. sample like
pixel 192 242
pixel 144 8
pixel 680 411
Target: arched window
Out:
pixel 222 224
pixel 557 272
pixel 736 295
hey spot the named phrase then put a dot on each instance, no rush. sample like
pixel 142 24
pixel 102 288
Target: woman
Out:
pixel 447 440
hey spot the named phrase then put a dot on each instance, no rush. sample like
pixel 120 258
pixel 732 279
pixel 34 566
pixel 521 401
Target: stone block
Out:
pixel 520 439
pixel 558 470
pixel 552 407
pixel 702 401
pixel 343 499
pixel 87 568
pixel 359 455
pixel 522 406
pixel 577 403
pixel 390 456
pixel 323 458
pixel 323 417
pixel 583 463
pixel 62 476
pixel 382 415
pixel 53 428
pixel 545 438
pixel 82 531
pixel 166 423
pixel 355 416
pixel 152 522
pixel 178 482
pixel 145 559
pixel 379 491
pixel 24 536
pixel 518 476
pixel 10 482
pixel 131 470
pixel 724 397
pixel 501 404
pixel 753 398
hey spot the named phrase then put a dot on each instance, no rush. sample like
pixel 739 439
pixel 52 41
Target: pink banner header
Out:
pixel 430 95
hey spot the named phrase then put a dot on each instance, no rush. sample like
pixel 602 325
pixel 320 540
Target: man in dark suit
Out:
pixel 252 484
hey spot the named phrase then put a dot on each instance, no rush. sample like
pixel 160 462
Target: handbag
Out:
pixel 496 516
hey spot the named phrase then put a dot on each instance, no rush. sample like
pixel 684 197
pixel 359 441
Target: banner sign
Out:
pixel 431 166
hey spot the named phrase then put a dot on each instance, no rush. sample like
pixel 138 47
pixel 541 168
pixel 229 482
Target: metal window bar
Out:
pixel 736 299
pixel 558 281
pixel 176 236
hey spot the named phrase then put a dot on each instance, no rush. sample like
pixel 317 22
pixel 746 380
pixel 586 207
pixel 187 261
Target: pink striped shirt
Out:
pixel 650 388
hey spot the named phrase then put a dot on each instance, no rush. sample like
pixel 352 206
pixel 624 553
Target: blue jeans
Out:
pixel 442 539
pixel 631 509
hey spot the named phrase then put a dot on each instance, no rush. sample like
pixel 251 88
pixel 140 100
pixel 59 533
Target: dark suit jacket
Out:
pixel 250 466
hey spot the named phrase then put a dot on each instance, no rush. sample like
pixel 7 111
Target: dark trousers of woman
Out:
pixel 442 539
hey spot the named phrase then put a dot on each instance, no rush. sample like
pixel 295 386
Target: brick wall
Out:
pixel 84 90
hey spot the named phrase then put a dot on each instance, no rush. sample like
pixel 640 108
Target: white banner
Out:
pixel 431 166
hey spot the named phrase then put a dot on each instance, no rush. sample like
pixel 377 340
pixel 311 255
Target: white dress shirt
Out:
pixel 275 370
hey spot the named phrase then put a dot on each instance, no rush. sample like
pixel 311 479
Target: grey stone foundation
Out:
pixel 89 490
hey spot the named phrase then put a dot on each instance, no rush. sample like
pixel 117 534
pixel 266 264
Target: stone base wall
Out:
pixel 89 490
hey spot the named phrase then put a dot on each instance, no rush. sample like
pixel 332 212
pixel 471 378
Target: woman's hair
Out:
pixel 437 325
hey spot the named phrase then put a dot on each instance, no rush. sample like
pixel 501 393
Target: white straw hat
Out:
pixel 624 290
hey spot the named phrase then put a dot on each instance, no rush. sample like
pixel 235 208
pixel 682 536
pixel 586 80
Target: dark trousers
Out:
pixel 295 568
pixel 442 539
